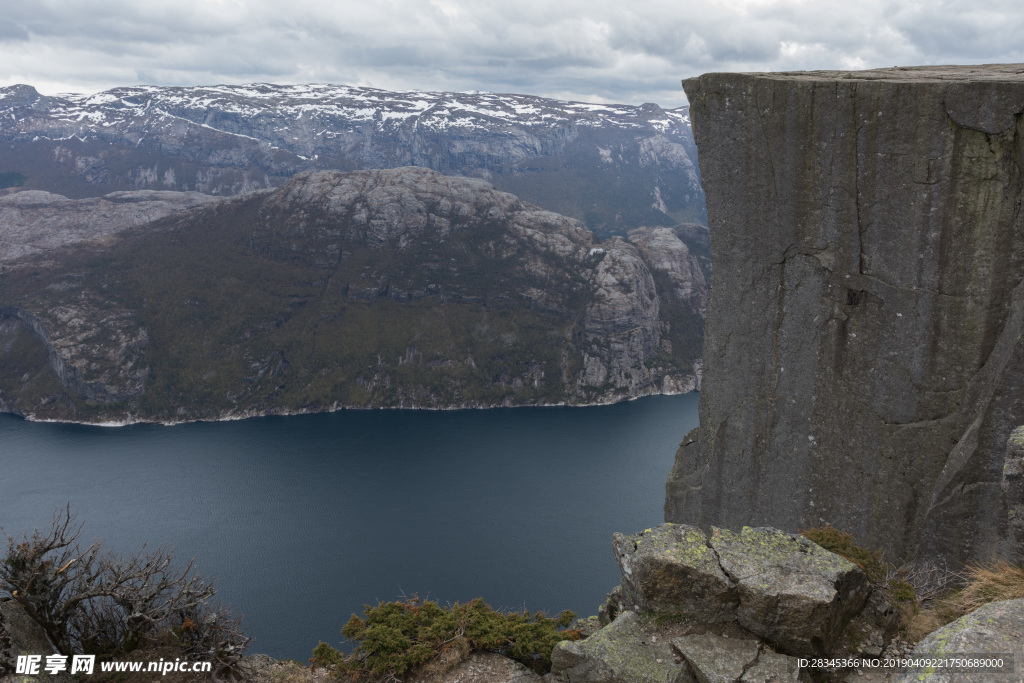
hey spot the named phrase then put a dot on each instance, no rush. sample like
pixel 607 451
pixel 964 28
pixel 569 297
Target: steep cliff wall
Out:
pixel 863 356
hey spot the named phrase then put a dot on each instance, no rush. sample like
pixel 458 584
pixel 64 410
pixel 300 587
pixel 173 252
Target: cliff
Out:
pixel 864 352
pixel 387 288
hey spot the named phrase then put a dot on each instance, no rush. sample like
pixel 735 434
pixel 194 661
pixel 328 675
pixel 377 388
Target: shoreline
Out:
pixel 233 417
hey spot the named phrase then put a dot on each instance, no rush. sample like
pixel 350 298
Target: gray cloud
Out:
pixel 9 31
pixel 596 50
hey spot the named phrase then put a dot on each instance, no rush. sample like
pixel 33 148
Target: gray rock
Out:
pixel 96 349
pixel 19 635
pixel 862 357
pixel 612 606
pixel 35 221
pixel 792 592
pixel 483 667
pixel 715 659
pixel 671 569
pixel 772 667
pixel 1013 486
pixel 619 653
pixel 995 628
pixel 621 324
pixel 666 253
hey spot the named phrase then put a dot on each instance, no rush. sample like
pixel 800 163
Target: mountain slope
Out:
pixel 382 288
pixel 613 166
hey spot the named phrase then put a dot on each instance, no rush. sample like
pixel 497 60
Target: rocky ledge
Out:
pixel 726 607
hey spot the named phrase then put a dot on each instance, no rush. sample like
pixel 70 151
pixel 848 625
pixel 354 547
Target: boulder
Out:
pixel 781 587
pixel 619 653
pixel 771 667
pixel 792 592
pixel 671 569
pixel 993 629
pixel 717 659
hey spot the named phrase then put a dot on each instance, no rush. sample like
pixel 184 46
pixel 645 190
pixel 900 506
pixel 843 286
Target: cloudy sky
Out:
pixel 590 50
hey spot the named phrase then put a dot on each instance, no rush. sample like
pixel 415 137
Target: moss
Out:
pixel 841 543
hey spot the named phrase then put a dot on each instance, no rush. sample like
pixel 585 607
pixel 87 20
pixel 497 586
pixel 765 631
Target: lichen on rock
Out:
pixel 671 569
pixel 993 629
pixel 792 592
pixel 619 653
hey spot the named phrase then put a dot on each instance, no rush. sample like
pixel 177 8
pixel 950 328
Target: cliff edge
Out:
pixel 863 354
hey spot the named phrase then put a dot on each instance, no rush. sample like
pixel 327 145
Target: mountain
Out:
pixel 614 167
pixel 379 288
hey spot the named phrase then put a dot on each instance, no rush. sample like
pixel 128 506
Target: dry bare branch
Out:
pixel 88 601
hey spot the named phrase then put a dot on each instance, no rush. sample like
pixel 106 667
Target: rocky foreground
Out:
pixel 392 288
pixel 753 606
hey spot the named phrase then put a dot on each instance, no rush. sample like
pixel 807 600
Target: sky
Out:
pixel 592 50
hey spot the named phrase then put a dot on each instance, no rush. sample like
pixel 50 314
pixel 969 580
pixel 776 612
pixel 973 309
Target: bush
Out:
pixel 92 602
pixel 394 638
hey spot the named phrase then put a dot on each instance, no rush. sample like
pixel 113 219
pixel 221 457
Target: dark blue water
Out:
pixel 302 520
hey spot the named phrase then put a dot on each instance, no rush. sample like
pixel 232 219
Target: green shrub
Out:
pixel 325 655
pixel 394 638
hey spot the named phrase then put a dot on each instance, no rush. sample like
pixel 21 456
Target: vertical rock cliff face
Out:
pixel 863 355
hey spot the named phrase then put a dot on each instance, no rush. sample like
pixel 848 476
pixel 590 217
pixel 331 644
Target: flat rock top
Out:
pixel 1011 73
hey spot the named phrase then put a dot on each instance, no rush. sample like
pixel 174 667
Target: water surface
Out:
pixel 302 520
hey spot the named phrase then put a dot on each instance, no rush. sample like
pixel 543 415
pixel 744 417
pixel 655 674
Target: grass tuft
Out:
pixel 985 583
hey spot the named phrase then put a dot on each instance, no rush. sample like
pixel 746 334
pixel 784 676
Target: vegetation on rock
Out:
pixel 928 596
pixel 396 638
pixel 985 583
pixel 841 543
